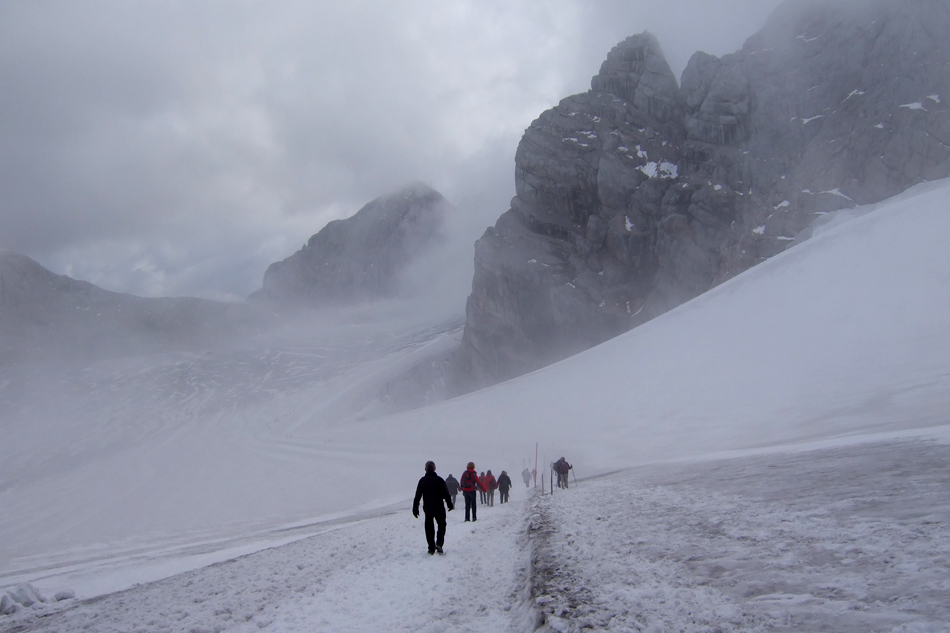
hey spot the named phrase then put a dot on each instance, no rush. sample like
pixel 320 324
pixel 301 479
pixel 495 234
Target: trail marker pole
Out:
pixel 575 476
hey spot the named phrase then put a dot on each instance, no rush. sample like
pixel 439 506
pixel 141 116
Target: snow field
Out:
pixel 852 539
pixel 373 575
pixel 845 335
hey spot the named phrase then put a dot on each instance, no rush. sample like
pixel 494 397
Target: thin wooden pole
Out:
pixel 536 468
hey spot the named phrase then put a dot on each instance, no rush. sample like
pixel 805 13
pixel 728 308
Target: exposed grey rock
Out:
pixel 640 194
pixel 360 257
pixel 43 313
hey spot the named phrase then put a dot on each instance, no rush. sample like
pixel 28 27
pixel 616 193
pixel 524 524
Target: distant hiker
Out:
pixel 504 485
pixel 433 492
pixel 526 475
pixel 453 485
pixel 468 482
pixel 484 493
pixel 490 485
pixel 562 468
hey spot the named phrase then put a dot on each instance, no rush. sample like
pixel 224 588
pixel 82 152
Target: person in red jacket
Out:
pixel 490 485
pixel 468 482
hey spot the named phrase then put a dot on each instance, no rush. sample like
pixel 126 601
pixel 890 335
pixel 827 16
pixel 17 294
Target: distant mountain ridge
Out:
pixel 348 261
pixel 360 257
pixel 640 194
pixel 44 313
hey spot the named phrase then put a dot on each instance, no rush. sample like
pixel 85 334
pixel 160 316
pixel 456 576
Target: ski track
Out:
pixel 373 575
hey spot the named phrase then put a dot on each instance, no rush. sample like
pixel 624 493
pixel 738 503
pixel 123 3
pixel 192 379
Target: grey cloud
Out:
pixel 180 147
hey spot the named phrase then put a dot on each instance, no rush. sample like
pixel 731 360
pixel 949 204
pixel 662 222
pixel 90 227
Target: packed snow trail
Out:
pixel 373 575
pixel 851 539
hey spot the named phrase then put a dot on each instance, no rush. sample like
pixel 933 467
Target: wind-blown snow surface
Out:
pixel 845 334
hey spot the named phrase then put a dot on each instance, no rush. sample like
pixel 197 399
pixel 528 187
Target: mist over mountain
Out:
pixel 43 315
pixel 643 192
pixel 360 258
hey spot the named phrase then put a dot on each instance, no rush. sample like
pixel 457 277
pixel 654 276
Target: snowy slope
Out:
pixel 844 334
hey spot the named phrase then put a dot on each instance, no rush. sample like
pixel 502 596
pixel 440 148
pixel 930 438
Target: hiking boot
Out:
pixel 439 550
pixel 431 552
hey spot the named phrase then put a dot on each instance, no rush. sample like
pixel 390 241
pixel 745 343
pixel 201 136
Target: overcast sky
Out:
pixel 178 148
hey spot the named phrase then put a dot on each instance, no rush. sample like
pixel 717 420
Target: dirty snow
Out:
pixel 850 539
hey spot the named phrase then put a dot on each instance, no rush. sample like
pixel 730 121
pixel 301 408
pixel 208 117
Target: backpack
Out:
pixel 563 468
pixel 466 481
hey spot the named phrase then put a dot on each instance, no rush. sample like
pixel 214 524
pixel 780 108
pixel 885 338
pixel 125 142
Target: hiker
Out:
pixel 468 482
pixel 433 492
pixel 484 491
pixel 526 475
pixel 504 485
pixel 490 485
pixel 453 485
pixel 562 468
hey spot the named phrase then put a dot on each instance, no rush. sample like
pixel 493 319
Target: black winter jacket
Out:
pixel 504 482
pixel 433 491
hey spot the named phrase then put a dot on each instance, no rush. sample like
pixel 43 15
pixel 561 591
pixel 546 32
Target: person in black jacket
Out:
pixel 453 485
pixel 504 485
pixel 433 491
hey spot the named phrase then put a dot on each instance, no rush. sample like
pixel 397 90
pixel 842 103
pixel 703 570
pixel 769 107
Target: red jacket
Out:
pixel 490 482
pixel 469 480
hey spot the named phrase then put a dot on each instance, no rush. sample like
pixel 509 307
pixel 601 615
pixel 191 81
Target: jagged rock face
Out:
pixel 361 257
pixel 640 194
pixel 42 313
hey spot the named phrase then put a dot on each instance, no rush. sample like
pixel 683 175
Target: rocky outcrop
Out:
pixel 641 194
pixel 360 257
pixel 42 313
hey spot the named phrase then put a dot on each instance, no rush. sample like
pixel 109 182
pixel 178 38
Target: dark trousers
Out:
pixel 504 495
pixel 435 540
pixel 469 503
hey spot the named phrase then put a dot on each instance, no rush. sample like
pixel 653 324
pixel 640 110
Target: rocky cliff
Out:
pixel 360 257
pixel 643 193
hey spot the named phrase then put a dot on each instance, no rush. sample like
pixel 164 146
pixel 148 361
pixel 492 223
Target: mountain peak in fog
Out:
pixel 641 194
pixel 361 257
